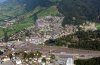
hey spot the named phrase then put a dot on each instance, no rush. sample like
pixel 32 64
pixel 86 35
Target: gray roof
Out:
pixel 7 63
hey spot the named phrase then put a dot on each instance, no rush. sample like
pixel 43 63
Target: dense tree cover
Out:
pixel 32 4
pixel 1 52
pixel 82 10
pixel 5 35
pixel 10 55
pixel 52 57
pixel 87 40
pixel 81 39
pixel 93 61
pixel 29 55
pixel 43 59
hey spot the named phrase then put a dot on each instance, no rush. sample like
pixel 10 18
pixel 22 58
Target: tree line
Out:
pixel 82 40
pixel 93 61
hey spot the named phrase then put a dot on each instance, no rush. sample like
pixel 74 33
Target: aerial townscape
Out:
pixel 49 32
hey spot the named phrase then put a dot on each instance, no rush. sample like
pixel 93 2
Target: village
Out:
pixel 45 28
pixel 28 46
pixel 49 27
pixel 26 53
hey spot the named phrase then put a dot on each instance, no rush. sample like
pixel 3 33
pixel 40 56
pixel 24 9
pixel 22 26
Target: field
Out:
pixel 30 17
pixel 18 26
pixel 98 26
pixel 49 11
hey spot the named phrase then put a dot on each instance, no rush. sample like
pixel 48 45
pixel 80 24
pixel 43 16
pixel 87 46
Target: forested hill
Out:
pixel 80 10
pixel 32 4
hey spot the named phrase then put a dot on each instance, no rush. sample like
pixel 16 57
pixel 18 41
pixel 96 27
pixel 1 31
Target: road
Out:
pixel 59 51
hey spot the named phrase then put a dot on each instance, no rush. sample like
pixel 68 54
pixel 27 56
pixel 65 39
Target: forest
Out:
pixel 93 61
pixel 89 40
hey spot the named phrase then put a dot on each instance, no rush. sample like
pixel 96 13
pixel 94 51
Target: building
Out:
pixel 70 61
pixel 88 26
pixel 6 61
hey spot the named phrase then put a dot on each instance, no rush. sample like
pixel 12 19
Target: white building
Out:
pixel 35 40
pixel 70 61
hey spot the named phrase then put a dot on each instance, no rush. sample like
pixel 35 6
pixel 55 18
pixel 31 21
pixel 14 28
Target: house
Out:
pixel 6 61
pixel 17 60
pixel 70 61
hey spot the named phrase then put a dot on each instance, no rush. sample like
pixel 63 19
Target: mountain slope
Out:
pixel 74 11
pixel 12 8
pixel 9 10
pixel 30 10
pixel 80 9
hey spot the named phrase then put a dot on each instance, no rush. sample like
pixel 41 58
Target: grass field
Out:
pixel 18 26
pixel 98 26
pixel 49 11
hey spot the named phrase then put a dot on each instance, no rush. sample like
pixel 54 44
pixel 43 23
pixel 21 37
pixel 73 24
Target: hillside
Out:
pixel 81 10
pixel 74 11
pixel 12 8
pixel 26 9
